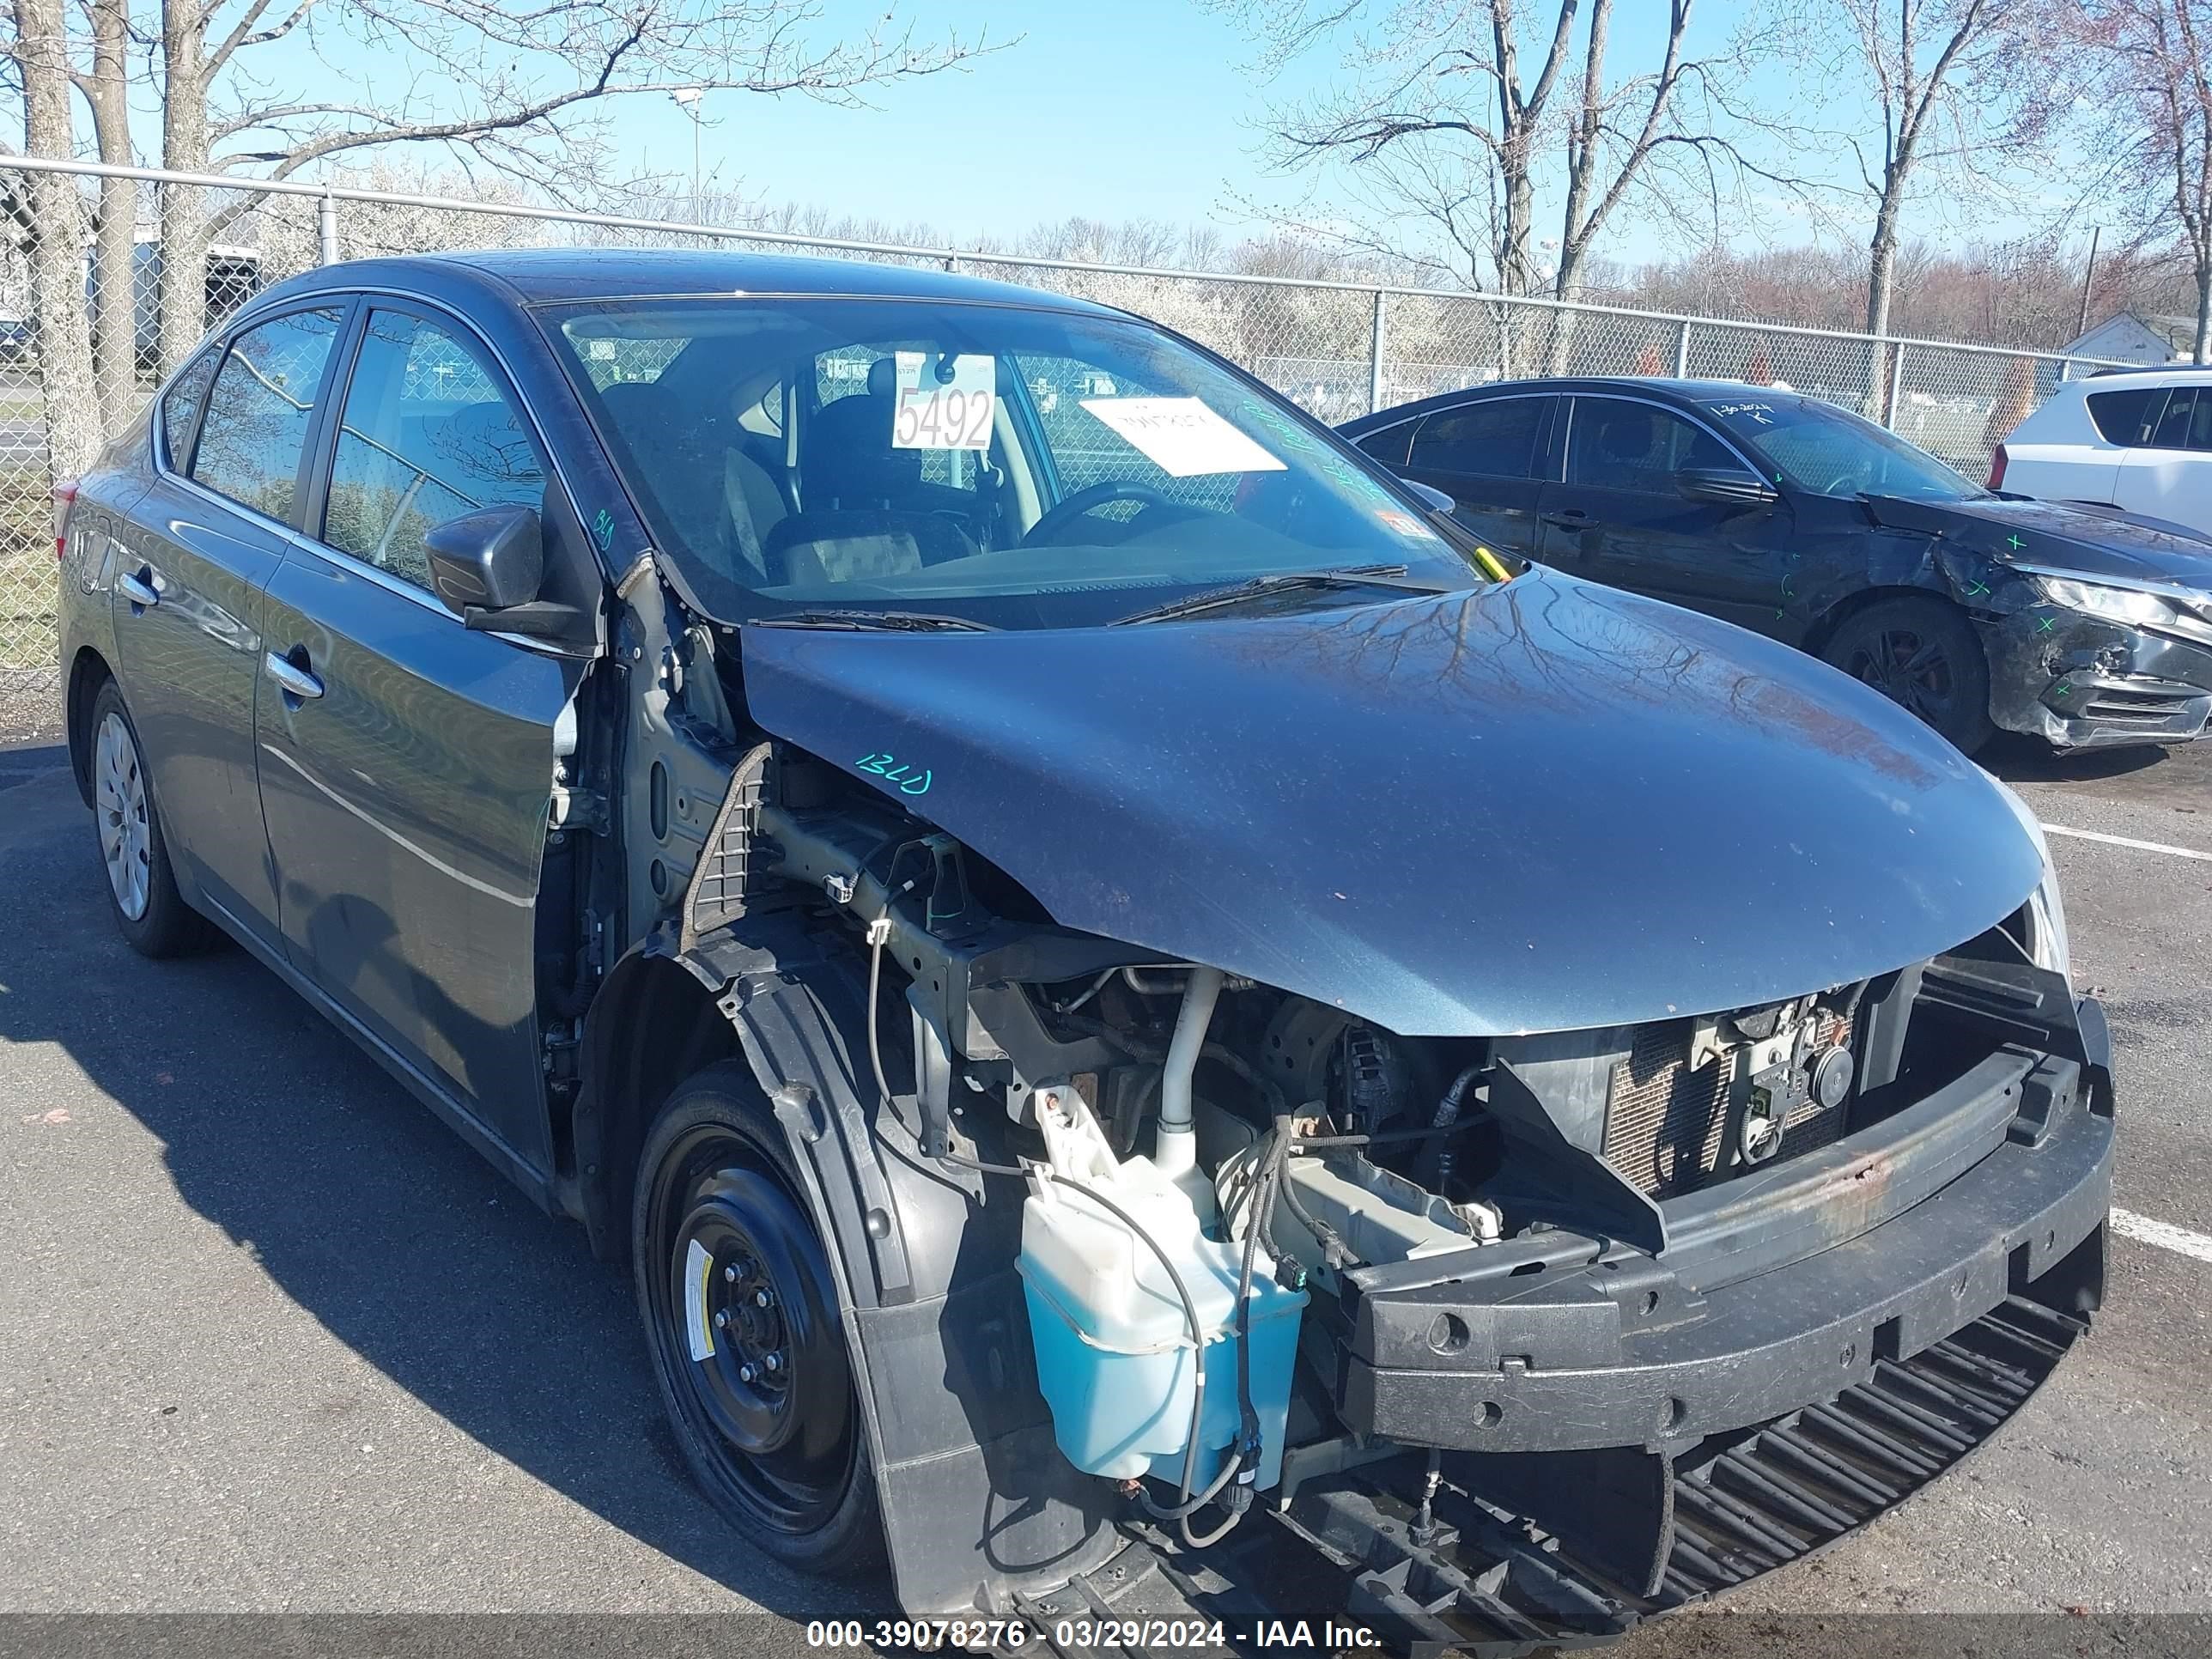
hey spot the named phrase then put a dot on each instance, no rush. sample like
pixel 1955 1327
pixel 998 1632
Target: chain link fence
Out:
pixel 82 345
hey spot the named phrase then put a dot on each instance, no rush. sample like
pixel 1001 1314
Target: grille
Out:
pixel 2136 708
pixel 1663 1122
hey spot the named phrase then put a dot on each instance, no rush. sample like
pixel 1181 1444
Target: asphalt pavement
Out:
pixel 273 1340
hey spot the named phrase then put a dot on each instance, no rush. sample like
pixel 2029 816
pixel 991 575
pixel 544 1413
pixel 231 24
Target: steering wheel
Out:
pixel 1057 518
pixel 1842 486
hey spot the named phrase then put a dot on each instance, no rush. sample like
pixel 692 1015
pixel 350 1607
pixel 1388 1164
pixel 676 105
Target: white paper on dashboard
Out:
pixel 1181 436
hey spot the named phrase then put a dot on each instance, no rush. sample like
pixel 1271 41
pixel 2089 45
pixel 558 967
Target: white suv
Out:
pixel 2138 438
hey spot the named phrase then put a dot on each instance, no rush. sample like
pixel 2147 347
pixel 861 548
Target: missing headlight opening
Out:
pixel 1265 1241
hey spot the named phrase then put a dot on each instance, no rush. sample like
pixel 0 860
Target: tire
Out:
pixel 1921 654
pixel 777 1445
pixel 149 912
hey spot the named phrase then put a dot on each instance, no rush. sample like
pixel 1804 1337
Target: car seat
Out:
pixel 716 496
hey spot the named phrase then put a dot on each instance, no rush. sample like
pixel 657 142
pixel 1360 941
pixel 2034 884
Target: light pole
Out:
pixel 687 99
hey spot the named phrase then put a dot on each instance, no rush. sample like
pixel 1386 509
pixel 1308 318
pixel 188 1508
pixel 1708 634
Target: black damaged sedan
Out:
pixel 1135 1005
pixel 1976 610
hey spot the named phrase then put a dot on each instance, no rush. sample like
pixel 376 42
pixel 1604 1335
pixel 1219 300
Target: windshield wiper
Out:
pixel 887 622
pixel 1282 581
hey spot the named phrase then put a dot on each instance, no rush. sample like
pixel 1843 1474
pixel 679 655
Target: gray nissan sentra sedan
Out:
pixel 1129 993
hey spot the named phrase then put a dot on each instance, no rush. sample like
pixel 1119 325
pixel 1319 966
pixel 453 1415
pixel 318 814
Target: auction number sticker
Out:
pixel 935 410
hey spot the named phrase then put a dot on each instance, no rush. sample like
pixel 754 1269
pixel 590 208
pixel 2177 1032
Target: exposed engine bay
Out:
pixel 1238 1200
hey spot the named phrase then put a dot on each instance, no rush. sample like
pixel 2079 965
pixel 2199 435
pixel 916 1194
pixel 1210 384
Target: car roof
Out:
pixel 546 276
pixel 1665 386
pixel 2162 373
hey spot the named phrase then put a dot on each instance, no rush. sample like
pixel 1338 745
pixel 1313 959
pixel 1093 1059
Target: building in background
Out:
pixel 2135 336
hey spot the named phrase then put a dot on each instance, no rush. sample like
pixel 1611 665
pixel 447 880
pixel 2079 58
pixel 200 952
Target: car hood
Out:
pixel 2055 535
pixel 1538 806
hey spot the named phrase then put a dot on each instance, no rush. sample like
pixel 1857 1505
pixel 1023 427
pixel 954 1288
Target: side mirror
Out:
pixel 1432 498
pixel 492 559
pixel 1728 486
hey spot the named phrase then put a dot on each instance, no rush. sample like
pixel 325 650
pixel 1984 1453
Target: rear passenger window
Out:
pixel 426 434
pixel 180 406
pixel 256 425
pixel 2187 422
pixel 1496 439
pixel 2126 417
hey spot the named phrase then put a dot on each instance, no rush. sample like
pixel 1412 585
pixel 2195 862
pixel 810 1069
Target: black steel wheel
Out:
pixel 1921 654
pixel 741 1317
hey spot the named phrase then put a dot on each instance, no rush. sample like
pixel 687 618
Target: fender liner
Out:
pixel 979 1507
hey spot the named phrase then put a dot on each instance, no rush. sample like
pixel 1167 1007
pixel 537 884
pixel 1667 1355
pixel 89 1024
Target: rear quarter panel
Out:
pixel 84 617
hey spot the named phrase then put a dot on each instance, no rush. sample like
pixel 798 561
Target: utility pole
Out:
pixel 2088 276
pixel 687 100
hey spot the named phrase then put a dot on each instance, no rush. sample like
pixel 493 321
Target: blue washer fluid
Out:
pixel 1114 1351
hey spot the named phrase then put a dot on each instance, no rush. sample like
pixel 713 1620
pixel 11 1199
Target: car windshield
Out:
pixel 1828 451
pixel 1013 467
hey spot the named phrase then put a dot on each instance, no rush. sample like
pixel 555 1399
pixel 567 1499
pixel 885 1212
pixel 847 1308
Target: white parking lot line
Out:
pixel 2129 841
pixel 2164 1234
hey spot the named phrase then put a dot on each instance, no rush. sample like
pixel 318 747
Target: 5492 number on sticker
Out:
pixel 932 411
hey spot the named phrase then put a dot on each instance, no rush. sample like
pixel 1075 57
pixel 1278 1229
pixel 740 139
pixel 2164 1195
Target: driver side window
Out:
pixel 426 434
pixel 1619 444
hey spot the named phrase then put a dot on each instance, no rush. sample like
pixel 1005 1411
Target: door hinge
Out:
pixel 561 1046
pixel 579 809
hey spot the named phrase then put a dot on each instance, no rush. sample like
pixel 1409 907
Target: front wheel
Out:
pixel 741 1319
pixel 1921 654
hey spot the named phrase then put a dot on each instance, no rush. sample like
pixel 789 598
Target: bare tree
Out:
pixel 106 92
pixel 1949 82
pixel 520 89
pixel 2150 61
pixel 41 54
pixel 1481 118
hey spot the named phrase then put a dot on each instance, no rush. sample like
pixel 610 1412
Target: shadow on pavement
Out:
pixel 2018 759
pixel 357 1203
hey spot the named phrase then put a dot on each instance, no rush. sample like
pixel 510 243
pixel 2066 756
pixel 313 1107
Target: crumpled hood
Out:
pixel 2097 542
pixel 1545 806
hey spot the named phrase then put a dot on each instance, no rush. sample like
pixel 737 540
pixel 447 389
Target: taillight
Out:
pixel 64 498
pixel 1996 468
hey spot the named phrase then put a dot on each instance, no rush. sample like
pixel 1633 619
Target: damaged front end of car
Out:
pixel 1525 1332
pixel 2094 633
pixel 2088 664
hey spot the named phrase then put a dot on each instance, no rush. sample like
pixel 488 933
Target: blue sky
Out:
pixel 1136 109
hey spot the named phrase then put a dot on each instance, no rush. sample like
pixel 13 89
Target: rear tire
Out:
pixel 149 911
pixel 1921 654
pixel 759 1392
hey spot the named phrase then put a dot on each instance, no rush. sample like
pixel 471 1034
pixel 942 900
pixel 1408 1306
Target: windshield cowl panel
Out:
pixel 1010 466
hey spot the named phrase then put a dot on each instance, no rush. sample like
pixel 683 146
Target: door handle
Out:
pixel 297 681
pixel 139 589
pixel 1569 518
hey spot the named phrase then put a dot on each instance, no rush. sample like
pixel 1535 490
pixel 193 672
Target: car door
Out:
pixel 190 571
pixel 2169 476
pixel 1486 454
pixel 1619 516
pixel 407 761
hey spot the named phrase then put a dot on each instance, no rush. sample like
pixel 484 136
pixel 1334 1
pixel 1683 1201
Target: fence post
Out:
pixel 1682 351
pixel 327 229
pixel 1896 382
pixel 1375 356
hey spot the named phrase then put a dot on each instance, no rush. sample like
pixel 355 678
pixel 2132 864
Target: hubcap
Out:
pixel 1907 668
pixel 747 1324
pixel 120 798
